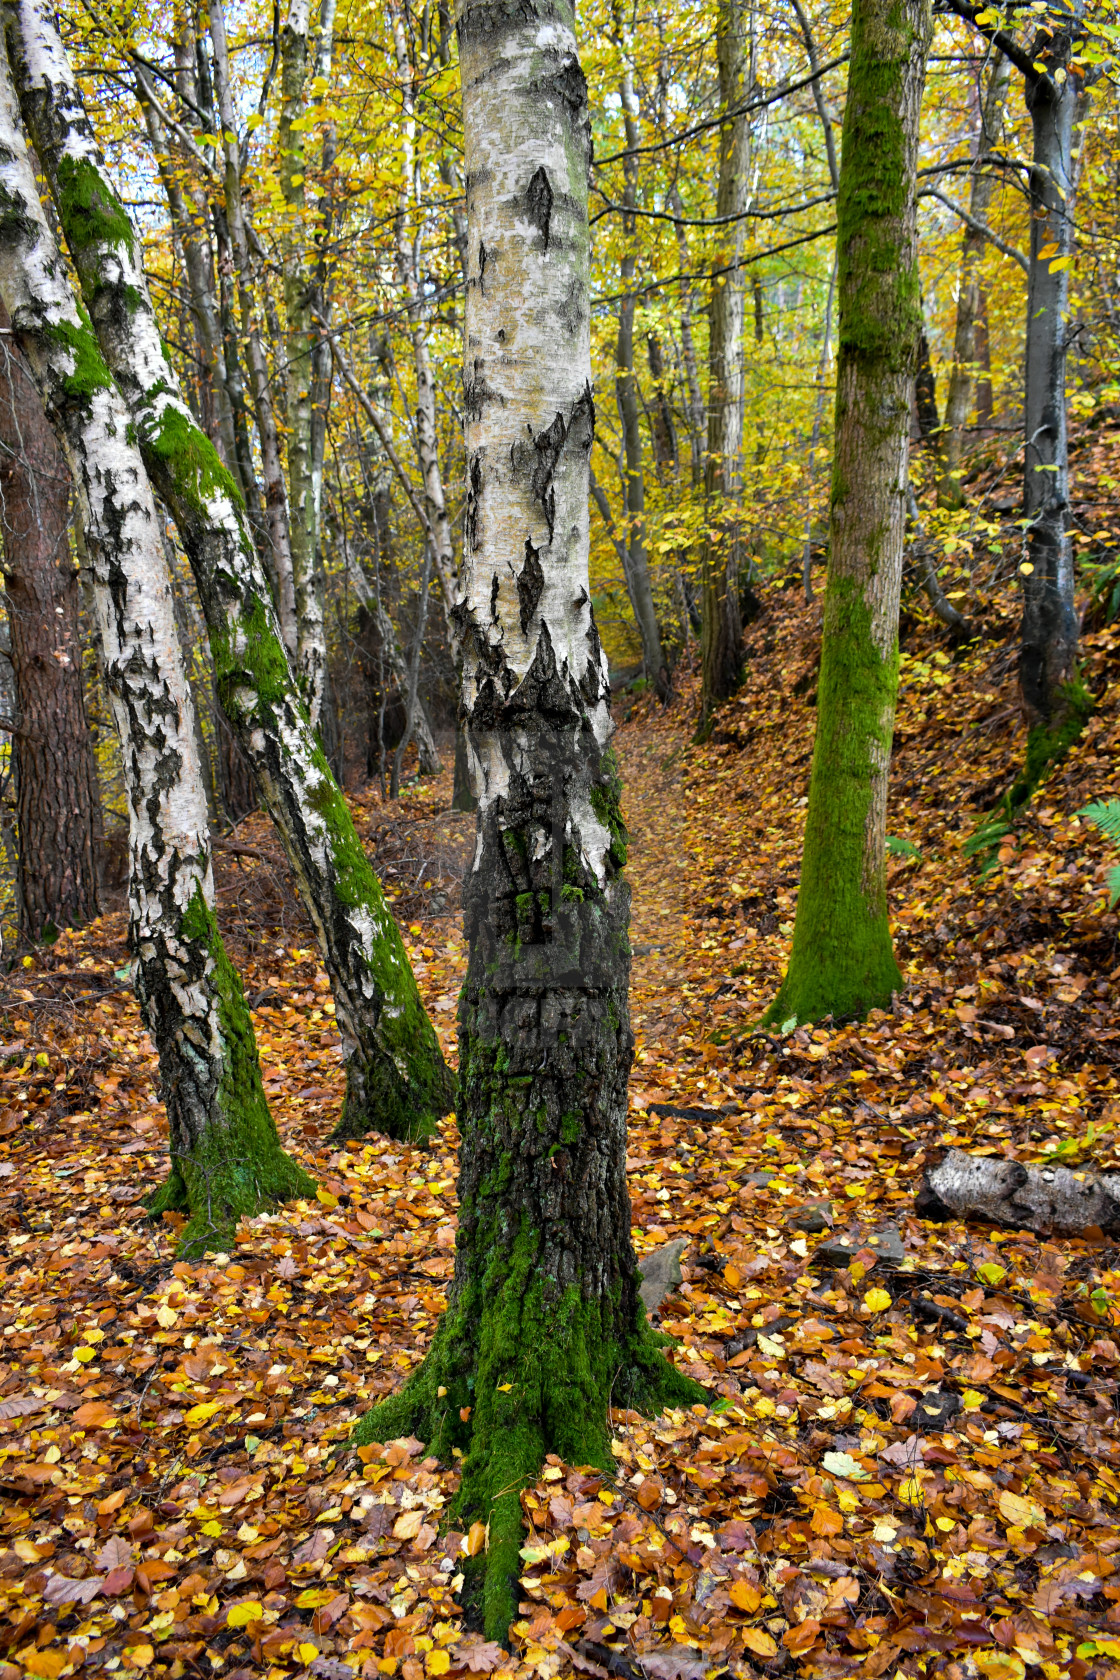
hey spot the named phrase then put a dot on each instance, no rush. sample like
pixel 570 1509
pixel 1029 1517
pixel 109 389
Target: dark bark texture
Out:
pixel 56 778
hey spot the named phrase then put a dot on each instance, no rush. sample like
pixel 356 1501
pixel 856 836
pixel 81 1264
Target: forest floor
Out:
pixel 912 1460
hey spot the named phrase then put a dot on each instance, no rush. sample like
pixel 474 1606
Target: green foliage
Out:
pixel 897 847
pixel 1105 815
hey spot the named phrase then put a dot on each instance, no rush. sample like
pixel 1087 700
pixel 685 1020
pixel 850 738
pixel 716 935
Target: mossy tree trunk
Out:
pixel 226 1157
pixel 397 1082
pixel 721 650
pixel 842 962
pixel 56 777
pixel 544 1322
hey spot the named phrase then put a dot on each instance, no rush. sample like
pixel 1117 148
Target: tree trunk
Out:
pixel 626 391
pixel 226 1157
pixel 841 962
pixel 721 651
pixel 958 402
pixel 1054 700
pixel 1020 1198
pixel 394 661
pixel 396 1081
pixel 55 774
pixel 544 1325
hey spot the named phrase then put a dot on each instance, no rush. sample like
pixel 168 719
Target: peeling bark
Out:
pixel 1062 1200
pixel 226 1157
pixel 544 1321
pixel 396 1079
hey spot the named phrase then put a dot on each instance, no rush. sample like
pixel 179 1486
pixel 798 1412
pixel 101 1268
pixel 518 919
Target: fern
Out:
pixel 1105 815
pixel 900 848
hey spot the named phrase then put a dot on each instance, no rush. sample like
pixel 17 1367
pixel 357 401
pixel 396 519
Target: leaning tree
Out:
pixel 544 1323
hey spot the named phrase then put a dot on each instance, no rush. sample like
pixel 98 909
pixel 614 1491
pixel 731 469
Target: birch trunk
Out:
pixel 1054 700
pixel 226 1157
pixel 544 1318
pixel 396 1081
pixel 721 654
pixel 56 777
pixel 841 962
pixel 962 374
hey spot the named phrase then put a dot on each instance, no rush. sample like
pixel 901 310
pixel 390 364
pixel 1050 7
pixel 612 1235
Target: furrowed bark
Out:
pixel 721 652
pixel 396 1079
pixel 958 402
pixel 226 1157
pixel 1045 1199
pixel 56 778
pixel 544 1321
pixel 841 962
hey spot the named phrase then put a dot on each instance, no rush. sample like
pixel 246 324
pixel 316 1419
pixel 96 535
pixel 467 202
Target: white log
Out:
pixel 1067 1200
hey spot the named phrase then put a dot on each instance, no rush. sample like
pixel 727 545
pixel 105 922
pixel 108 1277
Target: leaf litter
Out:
pixel 911 1459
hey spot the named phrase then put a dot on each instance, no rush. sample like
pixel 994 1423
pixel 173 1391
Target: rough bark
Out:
pixel 55 774
pixel 629 411
pixel 1054 700
pixel 395 667
pixel 226 1157
pixel 958 401
pixel 721 652
pixel 544 1321
pixel 1063 1200
pixel 396 1079
pixel 841 962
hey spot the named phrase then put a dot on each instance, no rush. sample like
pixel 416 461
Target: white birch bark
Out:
pixel 396 1079
pixel 226 1157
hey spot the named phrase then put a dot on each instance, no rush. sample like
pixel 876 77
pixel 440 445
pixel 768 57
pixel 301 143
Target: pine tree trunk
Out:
pixel 958 402
pixel 55 774
pixel 226 1157
pixel 842 963
pixel 544 1322
pixel 397 1082
pixel 721 651
pixel 1054 701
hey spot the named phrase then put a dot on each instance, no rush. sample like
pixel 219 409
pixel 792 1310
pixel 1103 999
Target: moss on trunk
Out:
pixel 226 1160
pixel 842 963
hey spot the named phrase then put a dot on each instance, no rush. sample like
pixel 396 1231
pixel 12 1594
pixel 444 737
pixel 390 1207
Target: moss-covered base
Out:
pixel 378 1100
pixel 525 1381
pixel 848 989
pixel 1048 744
pixel 216 1187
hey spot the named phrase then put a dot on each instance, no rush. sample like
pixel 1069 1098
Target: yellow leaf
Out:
pixel 212 1529
pixel 313 1598
pixel 437 1662
pixel 407 1525
pixel 910 1491
pixel 240 1615
pixel 201 1414
pixel 84 1355
pixel 476 1539
pixel 1000 1665
pixel 308 1653
pixel 325 1197
pixel 504 1388
pixel 139 1655
pixel 166 1317
pixel 760 1642
pixel 1060 264
pixel 876 1300
pixel 743 1596
pixel 1019 1512
pixel 48 1665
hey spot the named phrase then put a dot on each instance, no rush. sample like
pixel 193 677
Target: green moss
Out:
pixel 532 1369
pixel 570 1127
pixel 1048 744
pixel 91 212
pixel 606 802
pixel 842 962
pixel 190 468
pixel 237 1167
pixel 90 373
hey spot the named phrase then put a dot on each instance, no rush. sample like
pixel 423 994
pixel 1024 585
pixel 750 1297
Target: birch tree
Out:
pixel 226 1158
pixel 396 1080
pixel 842 962
pixel 544 1324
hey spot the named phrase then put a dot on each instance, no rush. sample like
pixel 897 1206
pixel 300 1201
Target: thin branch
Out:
pixel 979 227
pixel 1010 48
pixel 707 221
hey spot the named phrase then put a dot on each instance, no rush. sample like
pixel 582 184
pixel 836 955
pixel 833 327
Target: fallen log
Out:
pixel 1067 1200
